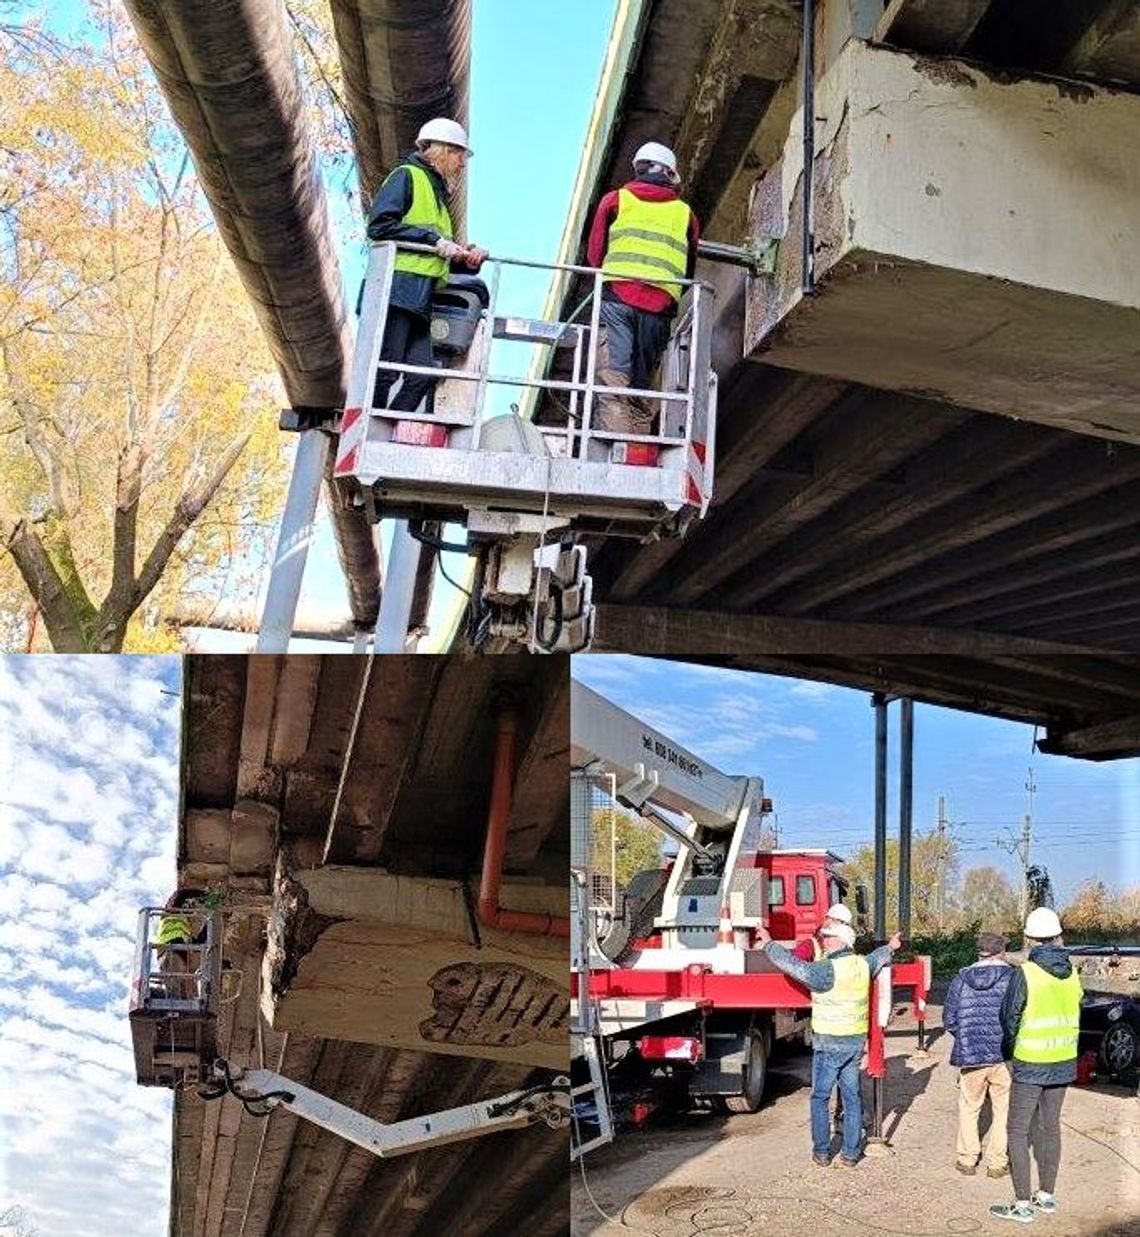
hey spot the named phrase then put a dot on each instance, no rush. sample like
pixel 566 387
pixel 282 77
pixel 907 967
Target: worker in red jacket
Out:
pixel 644 237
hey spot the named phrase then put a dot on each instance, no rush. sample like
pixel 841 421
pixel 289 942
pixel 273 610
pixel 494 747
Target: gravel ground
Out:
pixel 743 1176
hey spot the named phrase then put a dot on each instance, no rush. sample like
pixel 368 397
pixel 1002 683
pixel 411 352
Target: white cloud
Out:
pixel 88 800
pixel 810 690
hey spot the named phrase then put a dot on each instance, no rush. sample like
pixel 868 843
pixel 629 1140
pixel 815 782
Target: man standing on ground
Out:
pixel 411 205
pixel 1040 1018
pixel 840 984
pixel 644 237
pixel 972 1014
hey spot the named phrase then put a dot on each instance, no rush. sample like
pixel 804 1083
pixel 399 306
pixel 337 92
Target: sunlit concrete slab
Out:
pixel 375 958
pixel 976 241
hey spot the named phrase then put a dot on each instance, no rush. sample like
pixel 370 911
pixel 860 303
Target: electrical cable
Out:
pixel 512 1105
pixel 454 583
pixel 416 531
pixel 1100 1142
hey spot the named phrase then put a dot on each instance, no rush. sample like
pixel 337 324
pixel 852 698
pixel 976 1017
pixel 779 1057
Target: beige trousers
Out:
pixel 973 1087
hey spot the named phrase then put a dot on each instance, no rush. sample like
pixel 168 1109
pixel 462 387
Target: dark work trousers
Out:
pixel 1027 1102
pixel 630 344
pixel 407 340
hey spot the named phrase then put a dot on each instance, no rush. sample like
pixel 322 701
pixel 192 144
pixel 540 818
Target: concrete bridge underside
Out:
pixel 944 435
pixel 340 804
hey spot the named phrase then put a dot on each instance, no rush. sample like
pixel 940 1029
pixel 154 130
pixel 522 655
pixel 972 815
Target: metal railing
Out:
pixel 160 987
pixel 683 388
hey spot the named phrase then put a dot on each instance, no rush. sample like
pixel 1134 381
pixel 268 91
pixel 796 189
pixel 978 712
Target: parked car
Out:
pixel 1110 1027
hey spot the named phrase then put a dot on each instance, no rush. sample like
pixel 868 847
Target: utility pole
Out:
pixel 1019 846
pixel 940 859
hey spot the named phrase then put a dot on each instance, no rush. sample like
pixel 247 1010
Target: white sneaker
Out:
pixel 1045 1203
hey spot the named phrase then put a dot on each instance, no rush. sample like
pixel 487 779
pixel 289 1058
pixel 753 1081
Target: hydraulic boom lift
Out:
pixel 669 975
pixel 173 1014
pixel 525 494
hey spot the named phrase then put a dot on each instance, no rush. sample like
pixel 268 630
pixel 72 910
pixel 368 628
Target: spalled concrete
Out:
pixel 975 236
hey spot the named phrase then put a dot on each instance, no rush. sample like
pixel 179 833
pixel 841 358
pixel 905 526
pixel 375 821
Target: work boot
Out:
pixel 997 1170
pixel 967 1170
pixel 850 1163
pixel 824 1161
pixel 1021 1212
pixel 613 413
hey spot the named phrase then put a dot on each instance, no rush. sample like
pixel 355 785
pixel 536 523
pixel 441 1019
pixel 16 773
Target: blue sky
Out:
pixel 88 808
pixel 814 746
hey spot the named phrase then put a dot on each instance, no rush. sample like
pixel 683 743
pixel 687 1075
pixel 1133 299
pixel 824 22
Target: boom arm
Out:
pixel 261 1090
pixel 652 771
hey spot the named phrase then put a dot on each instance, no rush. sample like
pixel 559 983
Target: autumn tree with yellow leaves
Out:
pixel 139 454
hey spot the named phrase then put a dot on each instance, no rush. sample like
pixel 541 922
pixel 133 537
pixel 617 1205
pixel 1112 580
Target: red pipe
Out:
pixel 498 818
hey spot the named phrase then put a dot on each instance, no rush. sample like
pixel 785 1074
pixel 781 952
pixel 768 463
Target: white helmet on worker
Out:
pixel 1042 924
pixel 656 153
pixel 449 132
pixel 839 913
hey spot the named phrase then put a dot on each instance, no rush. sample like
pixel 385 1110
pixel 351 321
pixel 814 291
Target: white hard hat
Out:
pixel 654 152
pixel 451 132
pixel 839 912
pixel 1042 924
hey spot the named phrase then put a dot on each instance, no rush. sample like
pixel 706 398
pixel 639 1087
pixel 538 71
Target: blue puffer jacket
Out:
pixel 972 1013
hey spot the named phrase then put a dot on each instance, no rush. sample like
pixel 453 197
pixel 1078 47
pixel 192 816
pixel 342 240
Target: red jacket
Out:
pixel 639 295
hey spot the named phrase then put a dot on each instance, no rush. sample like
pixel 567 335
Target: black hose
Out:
pixel 416 530
pixel 556 600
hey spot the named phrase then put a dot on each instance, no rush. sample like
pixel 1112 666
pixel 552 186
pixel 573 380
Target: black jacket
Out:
pixel 392 202
pixel 1055 960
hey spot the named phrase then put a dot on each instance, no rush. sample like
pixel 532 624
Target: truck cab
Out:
pixel 802 884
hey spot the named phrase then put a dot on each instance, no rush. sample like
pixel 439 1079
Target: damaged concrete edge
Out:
pixel 292 930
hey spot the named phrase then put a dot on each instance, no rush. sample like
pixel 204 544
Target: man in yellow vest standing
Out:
pixel 1040 1019
pixel 411 205
pixel 644 237
pixel 840 986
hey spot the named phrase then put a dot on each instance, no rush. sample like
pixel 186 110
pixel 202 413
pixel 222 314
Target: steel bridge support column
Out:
pixel 906 812
pixel 880 703
pixel 293 540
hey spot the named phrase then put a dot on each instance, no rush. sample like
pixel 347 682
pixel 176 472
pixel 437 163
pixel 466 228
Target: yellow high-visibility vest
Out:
pixel 173 929
pixel 427 210
pixel 648 242
pixel 844 1009
pixel 1051 1021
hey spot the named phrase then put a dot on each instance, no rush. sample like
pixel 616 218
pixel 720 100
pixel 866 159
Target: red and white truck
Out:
pixel 675 976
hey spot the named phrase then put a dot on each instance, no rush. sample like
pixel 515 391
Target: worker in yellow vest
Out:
pixel 840 987
pixel 1041 1020
pixel 644 237
pixel 412 205
pixel 179 927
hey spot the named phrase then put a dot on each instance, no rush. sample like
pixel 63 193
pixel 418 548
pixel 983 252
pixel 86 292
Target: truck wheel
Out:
pixel 755 1076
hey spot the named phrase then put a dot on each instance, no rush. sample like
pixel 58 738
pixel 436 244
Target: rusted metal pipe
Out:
pixel 498 818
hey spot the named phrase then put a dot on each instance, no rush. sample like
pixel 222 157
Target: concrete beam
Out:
pixel 875 435
pixel 390 960
pixel 1054 485
pixel 660 631
pixel 1109 741
pixel 937 26
pixel 975 455
pixel 1109 48
pixel 929 177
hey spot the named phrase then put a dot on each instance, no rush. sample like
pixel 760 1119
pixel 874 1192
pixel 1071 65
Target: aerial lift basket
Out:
pixel 175 993
pixel 453 461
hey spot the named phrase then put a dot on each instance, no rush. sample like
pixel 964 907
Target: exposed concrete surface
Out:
pixel 367 967
pixel 976 240
pixel 752 1175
